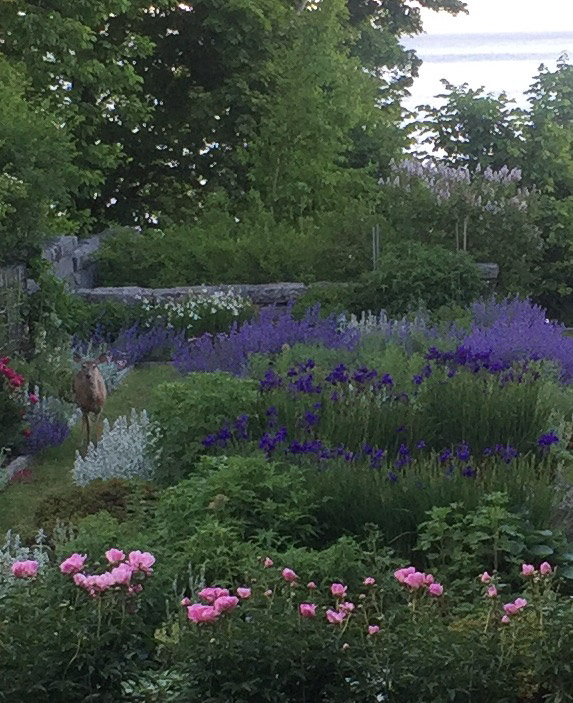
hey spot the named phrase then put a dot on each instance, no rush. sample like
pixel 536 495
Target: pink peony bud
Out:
pixel 436 589
pixel 345 645
pixel 185 602
pixel 369 581
pixel 545 568
pixel 114 556
pixel 428 579
pixel 492 592
pixel 311 585
pixel 505 620
pixel 268 562
pixel 269 592
pixel 289 575
pixel 338 590
pixel 485 577
pixel 25 569
pixel 334 617
pixel 73 564
pixel 527 570
pixel 307 610
pixel 244 592
pixel 373 629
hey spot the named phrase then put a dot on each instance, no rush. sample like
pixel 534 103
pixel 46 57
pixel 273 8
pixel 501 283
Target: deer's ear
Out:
pixel 103 359
pixel 77 358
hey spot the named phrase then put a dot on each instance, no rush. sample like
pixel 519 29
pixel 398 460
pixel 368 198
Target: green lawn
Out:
pixel 52 468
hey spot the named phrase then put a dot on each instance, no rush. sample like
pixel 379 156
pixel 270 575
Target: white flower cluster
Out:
pixel 12 550
pixel 184 313
pixel 127 449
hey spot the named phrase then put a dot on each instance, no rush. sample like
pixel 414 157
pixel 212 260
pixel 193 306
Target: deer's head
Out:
pixel 89 367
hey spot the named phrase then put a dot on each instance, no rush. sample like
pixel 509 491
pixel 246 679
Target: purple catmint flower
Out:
pixel 547 440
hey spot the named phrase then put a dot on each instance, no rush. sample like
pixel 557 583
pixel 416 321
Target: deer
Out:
pixel 90 390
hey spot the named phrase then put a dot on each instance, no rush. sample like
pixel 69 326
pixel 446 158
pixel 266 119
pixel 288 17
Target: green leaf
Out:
pixel 541 550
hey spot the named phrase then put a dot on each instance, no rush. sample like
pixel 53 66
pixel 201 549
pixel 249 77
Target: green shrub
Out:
pixel 120 499
pixel 188 410
pixel 411 275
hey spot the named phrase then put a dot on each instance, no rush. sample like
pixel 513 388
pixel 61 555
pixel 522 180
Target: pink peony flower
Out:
pixel 520 603
pixel 369 581
pixel 436 589
pixel 224 603
pixel 373 629
pixel 492 592
pixel 347 607
pixel 311 585
pixel 527 570
pixel 268 563
pixel 211 594
pixel 114 556
pixel 428 579
pixel 73 564
pixel 485 577
pixel 141 561
pixel 244 592
pixel 185 602
pixel 334 617
pixel 401 574
pixel 505 620
pixel 307 610
pixel 545 568
pixel 80 580
pixel 122 574
pixel 415 580
pixel 510 608
pixel 289 575
pixel 202 613
pixel 338 590
pixel 25 569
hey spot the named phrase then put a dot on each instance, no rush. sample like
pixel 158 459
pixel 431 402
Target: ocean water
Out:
pixel 499 62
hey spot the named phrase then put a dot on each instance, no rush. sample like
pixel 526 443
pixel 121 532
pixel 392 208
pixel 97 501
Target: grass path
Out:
pixel 51 471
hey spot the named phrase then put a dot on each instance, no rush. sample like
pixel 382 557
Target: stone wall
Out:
pixel 73 260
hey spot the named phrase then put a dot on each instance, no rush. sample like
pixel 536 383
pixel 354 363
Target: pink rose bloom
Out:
pixel 121 575
pixel 268 563
pixel 33 398
pixel 225 603
pixel 289 575
pixel 428 579
pixel 505 620
pixel 141 561
pixel 307 610
pixel 492 592
pixel 347 607
pixel 202 613
pixel 401 574
pixel 73 564
pixel 520 603
pixel 527 570
pixel 436 589
pixel 211 594
pixel 114 556
pixel 334 617
pixel 485 577
pixel 510 608
pixel 338 590
pixel 185 602
pixel 244 592
pixel 545 568
pixel 311 585
pixel 415 580
pixel 369 581
pixel 373 629
pixel 25 569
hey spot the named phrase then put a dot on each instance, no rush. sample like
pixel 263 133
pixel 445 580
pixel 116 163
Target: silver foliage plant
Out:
pixel 128 449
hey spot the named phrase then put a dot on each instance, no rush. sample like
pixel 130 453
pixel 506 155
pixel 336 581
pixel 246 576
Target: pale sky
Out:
pixel 504 16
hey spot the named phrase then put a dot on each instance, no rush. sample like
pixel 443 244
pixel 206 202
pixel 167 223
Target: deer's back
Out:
pixel 90 396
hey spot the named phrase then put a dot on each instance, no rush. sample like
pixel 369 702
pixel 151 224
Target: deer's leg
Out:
pixel 97 418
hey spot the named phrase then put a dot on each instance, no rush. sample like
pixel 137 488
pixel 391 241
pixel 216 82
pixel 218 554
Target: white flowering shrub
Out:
pixel 196 315
pixel 128 449
pixel 12 550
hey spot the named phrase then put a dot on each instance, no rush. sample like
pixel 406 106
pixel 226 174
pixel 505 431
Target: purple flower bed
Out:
pixel 266 334
pixel 45 432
